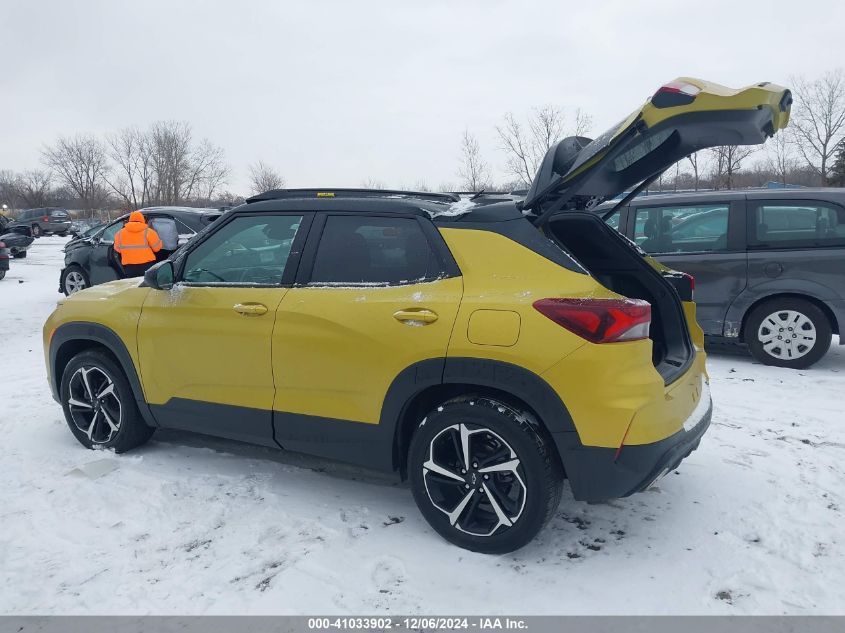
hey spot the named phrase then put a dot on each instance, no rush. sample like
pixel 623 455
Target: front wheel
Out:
pixel 483 476
pixel 99 405
pixel 74 280
pixel 788 332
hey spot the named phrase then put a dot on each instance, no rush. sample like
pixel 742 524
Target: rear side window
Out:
pixel 374 250
pixel 796 224
pixel 59 215
pixel 682 229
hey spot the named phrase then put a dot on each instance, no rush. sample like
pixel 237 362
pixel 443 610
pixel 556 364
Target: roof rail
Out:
pixel 277 194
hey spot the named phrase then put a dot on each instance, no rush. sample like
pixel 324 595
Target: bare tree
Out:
pixel 80 163
pixel 131 176
pixel 474 171
pixel 694 162
pixel 33 187
pixel 9 189
pixel 779 156
pixel 726 161
pixel 373 183
pixel 263 178
pixel 526 145
pixel 183 171
pixel 818 119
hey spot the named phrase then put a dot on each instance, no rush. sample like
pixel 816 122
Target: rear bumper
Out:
pixel 597 474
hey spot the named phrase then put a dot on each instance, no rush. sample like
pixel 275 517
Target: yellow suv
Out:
pixel 485 349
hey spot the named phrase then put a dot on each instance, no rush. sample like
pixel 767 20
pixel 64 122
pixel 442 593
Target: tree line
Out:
pixel 165 164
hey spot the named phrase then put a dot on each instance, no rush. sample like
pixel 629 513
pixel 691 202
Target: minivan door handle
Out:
pixel 418 315
pixel 250 309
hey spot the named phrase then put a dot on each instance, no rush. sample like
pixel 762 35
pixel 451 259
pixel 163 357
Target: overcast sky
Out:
pixel 332 93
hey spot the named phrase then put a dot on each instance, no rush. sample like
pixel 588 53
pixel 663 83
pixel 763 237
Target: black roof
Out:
pixel 441 207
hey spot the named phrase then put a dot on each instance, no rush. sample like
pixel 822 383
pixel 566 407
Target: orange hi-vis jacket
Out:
pixel 136 242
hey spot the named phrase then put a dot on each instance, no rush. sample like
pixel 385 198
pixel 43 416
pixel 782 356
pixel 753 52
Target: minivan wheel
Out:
pixel 74 280
pixel 36 230
pixel 99 405
pixel 483 476
pixel 788 332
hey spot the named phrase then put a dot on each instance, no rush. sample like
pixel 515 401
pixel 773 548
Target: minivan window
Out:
pixel 682 229
pixel 373 250
pixel 797 223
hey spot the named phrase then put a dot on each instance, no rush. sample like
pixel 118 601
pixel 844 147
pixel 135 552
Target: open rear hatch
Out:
pixel 578 173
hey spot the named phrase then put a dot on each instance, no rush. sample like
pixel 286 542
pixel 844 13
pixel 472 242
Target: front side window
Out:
pixel 373 250
pixel 110 231
pixel 250 250
pixel 682 229
pixel 798 224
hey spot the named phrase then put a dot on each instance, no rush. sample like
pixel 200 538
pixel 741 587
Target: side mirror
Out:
pixel 160 276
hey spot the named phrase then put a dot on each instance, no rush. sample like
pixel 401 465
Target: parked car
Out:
pixel 16 237
pixel 485 349
pixel 769 264
pixel 90 259
pixel 46 221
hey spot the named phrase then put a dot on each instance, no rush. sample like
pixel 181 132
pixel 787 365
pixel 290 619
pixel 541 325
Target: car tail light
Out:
pixel 599 320
pixel 691 280
pixel 675 93
pixel 45 219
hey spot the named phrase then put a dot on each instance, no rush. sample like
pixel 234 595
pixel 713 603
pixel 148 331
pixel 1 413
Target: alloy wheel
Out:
pixel 74 282
pixel 94 404
pixel 787 334
pixel 475 478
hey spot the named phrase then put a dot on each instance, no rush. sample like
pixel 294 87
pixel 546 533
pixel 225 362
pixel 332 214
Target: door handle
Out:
pixel 250 309
pixel 415 315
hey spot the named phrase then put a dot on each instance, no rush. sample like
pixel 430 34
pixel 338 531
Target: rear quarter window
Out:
pixel 796 224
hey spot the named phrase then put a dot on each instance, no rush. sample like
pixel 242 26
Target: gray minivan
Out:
pixel 768 264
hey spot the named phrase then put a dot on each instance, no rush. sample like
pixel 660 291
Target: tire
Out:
pixel 803 326
pixel 62 234
pixel 20 254
pixel 36 231
pixel 74 279
pixel 108 421
pixel 2 274
pixel 526 493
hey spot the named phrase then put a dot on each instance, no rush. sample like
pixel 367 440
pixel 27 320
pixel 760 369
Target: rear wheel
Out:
pixel 74 280
pixel 36 230
pixel 99 405
pixel 788 332
pixel 20 254
pixel 483 477
pixel 2 274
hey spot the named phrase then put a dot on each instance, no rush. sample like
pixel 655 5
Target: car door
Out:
pixel 698 238
pixel 378 293
pixel 205 345
pixel 101 266
pixel 796 245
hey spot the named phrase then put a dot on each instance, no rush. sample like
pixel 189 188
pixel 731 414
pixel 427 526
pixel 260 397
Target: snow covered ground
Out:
pixel 751 523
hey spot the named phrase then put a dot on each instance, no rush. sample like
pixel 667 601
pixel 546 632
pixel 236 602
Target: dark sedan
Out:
pixel 91 260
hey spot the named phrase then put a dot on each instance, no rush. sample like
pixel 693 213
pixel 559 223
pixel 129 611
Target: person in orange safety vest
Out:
pixel 137 244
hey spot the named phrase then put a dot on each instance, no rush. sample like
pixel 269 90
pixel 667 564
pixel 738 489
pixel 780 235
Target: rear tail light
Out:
pixel 675 93
pixel 691 280
pixel 599 320
pixel 45 219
